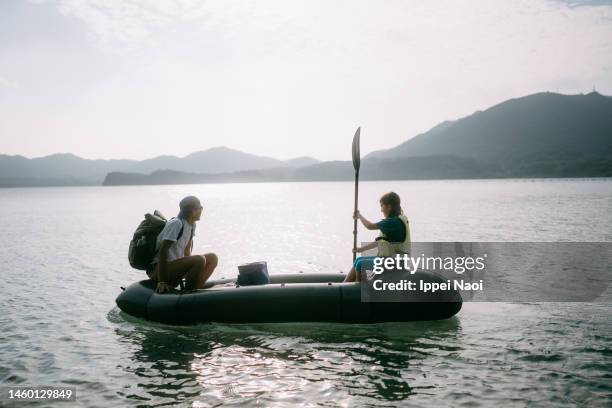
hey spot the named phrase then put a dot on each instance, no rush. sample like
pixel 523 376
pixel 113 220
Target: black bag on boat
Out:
pixel 255 273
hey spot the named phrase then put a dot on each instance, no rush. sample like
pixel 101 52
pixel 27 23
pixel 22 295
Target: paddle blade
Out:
pixel 356 155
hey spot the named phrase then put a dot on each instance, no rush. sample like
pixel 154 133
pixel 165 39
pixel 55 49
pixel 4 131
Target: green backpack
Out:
pixel 143 245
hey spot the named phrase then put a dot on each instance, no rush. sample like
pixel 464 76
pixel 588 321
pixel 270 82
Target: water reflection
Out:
pixel 282 363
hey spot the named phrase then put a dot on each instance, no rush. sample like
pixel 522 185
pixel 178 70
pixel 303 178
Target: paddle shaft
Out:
pixel 355 221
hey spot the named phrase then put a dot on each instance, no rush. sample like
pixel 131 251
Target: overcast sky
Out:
pixel 282 78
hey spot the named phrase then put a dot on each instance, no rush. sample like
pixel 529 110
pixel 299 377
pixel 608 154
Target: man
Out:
pixel 174 260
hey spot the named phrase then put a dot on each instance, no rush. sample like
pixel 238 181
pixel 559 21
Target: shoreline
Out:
pixel 578 178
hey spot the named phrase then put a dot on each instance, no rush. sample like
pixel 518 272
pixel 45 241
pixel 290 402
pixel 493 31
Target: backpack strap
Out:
pixel 180 234
pixel 181 231
pixel 191 240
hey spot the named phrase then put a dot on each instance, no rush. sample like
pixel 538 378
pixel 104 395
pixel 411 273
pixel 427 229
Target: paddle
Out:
pixel 356 164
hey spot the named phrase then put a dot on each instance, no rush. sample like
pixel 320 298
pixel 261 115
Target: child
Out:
pixel 394 235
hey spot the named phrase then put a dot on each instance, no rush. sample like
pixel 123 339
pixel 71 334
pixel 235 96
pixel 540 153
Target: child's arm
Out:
pixel 367 247
pixel 369 225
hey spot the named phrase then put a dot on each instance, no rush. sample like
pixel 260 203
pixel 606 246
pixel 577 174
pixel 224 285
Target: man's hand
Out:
pixel 162 287
pixel 356 215
pixel 357 250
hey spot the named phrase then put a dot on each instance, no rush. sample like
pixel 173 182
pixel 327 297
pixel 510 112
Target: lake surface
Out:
pixel 64 254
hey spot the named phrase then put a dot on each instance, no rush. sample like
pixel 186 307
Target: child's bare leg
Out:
pixel 350 277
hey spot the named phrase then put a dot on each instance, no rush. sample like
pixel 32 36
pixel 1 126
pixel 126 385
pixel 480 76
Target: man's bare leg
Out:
pixel 192 275
pixel 210 263
pixel 196 278
pixel 189 266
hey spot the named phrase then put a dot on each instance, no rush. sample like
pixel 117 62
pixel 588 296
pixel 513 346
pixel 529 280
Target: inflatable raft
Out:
pixel 303 297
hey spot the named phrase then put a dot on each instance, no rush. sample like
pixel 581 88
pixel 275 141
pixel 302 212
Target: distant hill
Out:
pixel 540 135
pixel 55 170
pixel 373 168
pixel 216 160
pixel 68 169
pixel 523 134
pixel 431 167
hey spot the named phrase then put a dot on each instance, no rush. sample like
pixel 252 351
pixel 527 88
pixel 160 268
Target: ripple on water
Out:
pixel 60 326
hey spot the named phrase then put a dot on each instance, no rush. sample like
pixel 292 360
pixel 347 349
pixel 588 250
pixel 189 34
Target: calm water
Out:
pixel 64 259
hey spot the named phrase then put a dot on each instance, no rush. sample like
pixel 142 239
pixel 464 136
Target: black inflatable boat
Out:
pixel 303 297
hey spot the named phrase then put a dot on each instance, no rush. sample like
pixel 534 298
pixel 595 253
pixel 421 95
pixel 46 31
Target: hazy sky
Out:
pixel 283 78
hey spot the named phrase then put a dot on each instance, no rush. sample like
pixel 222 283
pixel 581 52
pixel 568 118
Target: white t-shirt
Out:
pixel 170 233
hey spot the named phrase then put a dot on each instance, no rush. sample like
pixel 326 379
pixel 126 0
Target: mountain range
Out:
pixel 543 125
pixel 68 169
pixel 540 135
